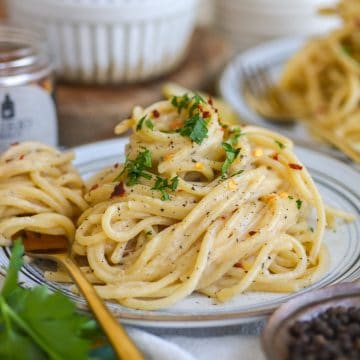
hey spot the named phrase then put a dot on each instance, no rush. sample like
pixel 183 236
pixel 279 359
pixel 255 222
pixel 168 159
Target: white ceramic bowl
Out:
pixel 111 41
pixel 250 22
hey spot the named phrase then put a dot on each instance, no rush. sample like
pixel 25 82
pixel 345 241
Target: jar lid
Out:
pixel 23 56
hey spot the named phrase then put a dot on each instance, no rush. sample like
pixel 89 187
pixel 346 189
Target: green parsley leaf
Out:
pixel 195 128
pixel 184 101
pixel 298 204
pixel 149 124
pixel 134 169
pixel 44 325
pixel 162 184
pixel 280 144
pixel 291 197
pixel 181 102
pixel 196 100
pixel 231 155
pixel 140 123
pixel 16 262
pixel 311 229
pixel 236 133
pixel 237 173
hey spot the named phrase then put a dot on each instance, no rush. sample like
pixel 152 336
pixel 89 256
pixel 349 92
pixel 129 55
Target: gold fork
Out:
pixel 56 248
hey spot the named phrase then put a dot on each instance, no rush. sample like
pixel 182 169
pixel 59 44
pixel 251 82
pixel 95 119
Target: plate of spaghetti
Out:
pixel 315 82
pixel 188 222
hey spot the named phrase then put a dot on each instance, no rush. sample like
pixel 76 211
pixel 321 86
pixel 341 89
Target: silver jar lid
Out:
pixel 23 56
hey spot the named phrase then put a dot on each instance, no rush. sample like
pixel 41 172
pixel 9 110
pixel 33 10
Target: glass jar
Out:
pixel 27 106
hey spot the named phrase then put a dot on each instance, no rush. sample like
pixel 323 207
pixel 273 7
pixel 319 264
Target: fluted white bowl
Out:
pixel 111 41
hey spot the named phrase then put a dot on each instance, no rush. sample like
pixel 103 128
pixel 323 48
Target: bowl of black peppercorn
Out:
pixel 320 325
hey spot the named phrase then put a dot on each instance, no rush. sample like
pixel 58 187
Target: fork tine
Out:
pixel 256 81
pixel 266 79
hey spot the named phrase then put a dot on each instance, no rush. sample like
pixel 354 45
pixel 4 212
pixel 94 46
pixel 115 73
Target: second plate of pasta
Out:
pixel 199 310
pixel 271 57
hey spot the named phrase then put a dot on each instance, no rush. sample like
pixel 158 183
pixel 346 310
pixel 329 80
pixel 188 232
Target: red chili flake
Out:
pixel 322 109
pixel 238 265
pixel 200 107
pixel 15 143
pixel 222 129
pixel 116 165
pixel 94 187
pixel 276 156
pixel 295 166
pixel 119 190
pixel 21 157
pixel 155 114
pixel 251 233
pixel 216 110
pixel 206 114
pixel 210 101
pixel 223 217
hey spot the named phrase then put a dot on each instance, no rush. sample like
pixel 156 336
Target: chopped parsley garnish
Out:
pixel 148 123
pixel 181 102
pixel 231 155
pixel 196 100
pixel 280 144
pixel 162 185
pixel 236 133
pixel 135 168
pixel 291 197
pixel 195 128
pixel 237 173
pixel 311 229
pixel 140 123
pixel 298 204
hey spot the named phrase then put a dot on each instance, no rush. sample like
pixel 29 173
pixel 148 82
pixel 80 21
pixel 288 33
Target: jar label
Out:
pixel 27 113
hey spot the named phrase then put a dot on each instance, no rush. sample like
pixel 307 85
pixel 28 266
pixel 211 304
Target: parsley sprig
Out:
pixel 231 155
pixel 135 169
pixel 181 102
pixel 184 102
pixel 149 124
pixel 195 128
pixel 235 134
pixel 37 324
pixel 162 185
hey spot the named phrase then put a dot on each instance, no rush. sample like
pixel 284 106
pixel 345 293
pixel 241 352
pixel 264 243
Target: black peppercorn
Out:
pixel 331 335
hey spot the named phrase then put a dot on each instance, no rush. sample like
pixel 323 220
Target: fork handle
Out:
pixel 116 334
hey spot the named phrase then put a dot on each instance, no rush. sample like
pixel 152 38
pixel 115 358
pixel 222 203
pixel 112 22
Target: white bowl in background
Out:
pixel 249 22
pixel 111 41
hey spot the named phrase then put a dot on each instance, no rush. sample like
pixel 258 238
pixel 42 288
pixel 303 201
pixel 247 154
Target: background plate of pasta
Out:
pixel 313 81
pixel 188 221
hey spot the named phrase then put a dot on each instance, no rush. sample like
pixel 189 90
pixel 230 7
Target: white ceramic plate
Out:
pixel 271 55
pixel 338 184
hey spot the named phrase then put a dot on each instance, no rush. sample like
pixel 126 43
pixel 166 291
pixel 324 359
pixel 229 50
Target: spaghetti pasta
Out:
pixel 200 207
pixel 320 85
pixel 40 191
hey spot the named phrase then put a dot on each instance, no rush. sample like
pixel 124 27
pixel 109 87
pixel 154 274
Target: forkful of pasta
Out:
pixel 57 248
